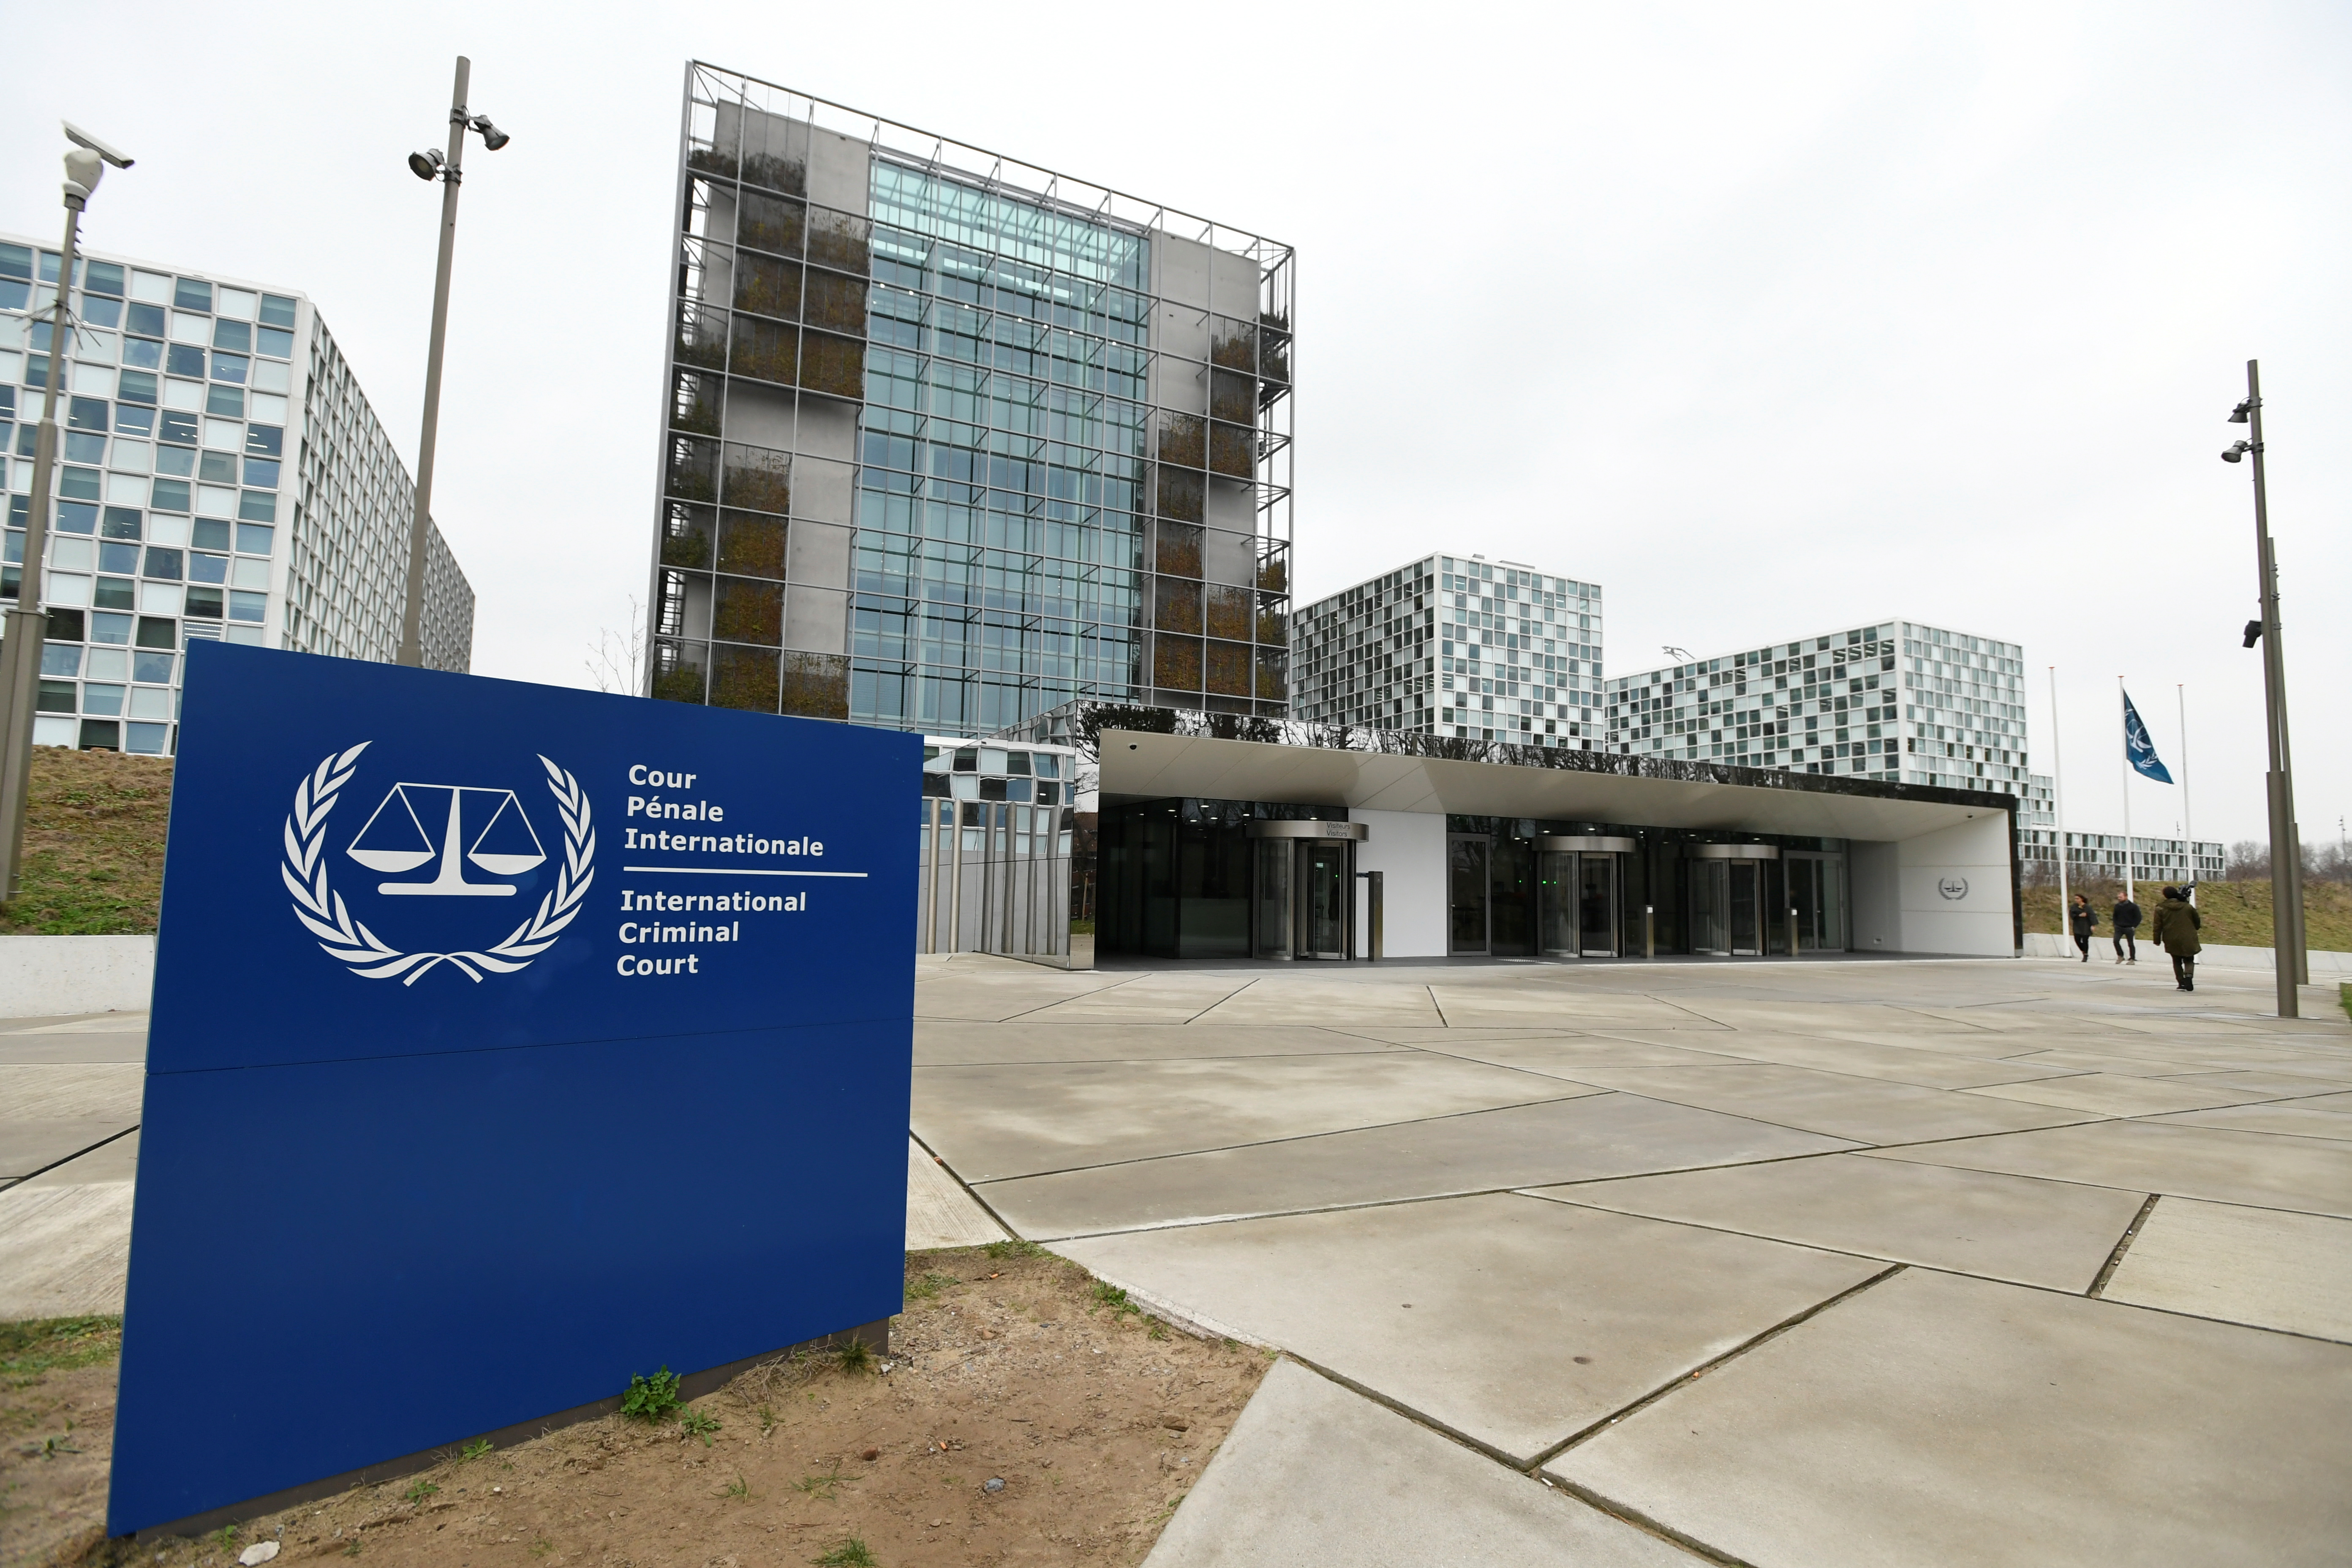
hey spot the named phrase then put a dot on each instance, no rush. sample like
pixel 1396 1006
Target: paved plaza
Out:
pixel 1812 1264
pixel 1808 1264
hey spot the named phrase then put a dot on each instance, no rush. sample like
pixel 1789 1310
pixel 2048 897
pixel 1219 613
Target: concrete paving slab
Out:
pixel 39 1046
pixel 1867 1110
pixel 2267 1083
pixel 78 1090
pixel 116 1160
pixel 2052 1234
pixel 994 989
pixel 1565 1054
pixel 2273 1271
pixel 1494 1005
pixel 1595 1135
pixel 1026 1040
pixel 1943 1421
pixel 1527 1320
pixel 2116 1063
pixel 991 1122
pixel 1313 1476
pixel 1145 999
pixel 1439 1034
pixel 2336 1104
pixel 2257 1168
pixel 2113 1094
pixel 2272 1116
pixel 1800 1017
pixel 27 1147
pixel 64 1250
pixel 1311 999
pixel 939 1212
pixel 1895 1064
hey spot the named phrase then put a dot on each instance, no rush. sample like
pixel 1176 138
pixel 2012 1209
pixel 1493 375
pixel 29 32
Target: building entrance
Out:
pixel 1729 888
pixel 1302 902
pixel 1466 860
pixel 1817 899
pixel 1582 879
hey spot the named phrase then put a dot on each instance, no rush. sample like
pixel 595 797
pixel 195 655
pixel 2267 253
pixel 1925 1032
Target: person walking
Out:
pixel 2084 921
pixel 2125 922
pixel 2176 925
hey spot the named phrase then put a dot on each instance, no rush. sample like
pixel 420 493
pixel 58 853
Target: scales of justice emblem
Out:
pixel 417 824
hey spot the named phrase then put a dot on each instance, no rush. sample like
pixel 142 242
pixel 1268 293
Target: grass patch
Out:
pixel 2344 998
pixel 851 1554
pixel 2237 914
pixel 855 1355
pixel 695 1424
pixel 39 1345
pixel 1106 1294
pixel 929 1286
pixel 419 1490
pixel 94 826
pixel 1016 1247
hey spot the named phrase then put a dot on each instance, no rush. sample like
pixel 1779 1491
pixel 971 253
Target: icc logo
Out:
pixel 421 838
pixel 1953 887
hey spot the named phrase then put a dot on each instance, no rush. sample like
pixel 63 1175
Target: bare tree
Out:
pixel 616 660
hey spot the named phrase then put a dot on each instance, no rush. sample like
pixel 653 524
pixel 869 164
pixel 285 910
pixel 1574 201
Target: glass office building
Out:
pixel 1455 646
pixel 220 475
pixel 1892 700
pixel 952 440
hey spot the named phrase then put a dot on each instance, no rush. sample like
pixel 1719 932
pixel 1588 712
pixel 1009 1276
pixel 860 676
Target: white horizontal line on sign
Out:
pixel 737 871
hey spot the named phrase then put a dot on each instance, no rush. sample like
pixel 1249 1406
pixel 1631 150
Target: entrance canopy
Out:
pixel 1569 786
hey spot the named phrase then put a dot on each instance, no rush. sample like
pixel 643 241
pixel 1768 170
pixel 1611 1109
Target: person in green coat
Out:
pixel 2176 925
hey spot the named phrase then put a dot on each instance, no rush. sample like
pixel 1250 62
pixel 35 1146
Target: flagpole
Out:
pixel 2122 704
pixel 2187 817
pixel 2058 799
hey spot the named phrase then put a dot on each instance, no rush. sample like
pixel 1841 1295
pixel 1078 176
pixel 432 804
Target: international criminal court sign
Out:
pixel 507 1040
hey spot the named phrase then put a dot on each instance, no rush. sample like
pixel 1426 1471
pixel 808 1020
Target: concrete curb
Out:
pixel 54 976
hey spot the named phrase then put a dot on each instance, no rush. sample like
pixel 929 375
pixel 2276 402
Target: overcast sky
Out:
pixel 1772 320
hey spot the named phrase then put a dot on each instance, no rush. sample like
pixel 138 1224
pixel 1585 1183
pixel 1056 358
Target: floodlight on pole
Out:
pixel 20 649
pixel 449 170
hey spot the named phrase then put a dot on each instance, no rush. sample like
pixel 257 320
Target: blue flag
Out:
pixel 2138 749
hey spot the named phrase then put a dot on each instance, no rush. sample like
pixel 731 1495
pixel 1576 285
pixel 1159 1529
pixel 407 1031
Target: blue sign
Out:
pixel 507 1040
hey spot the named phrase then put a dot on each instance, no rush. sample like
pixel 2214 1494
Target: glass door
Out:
pixel 1466 894
pixel 1817 894
pixel 1556 915
pixel 1710 912
pixel 1270 908
pixel 1511 901
pixel 1596 905
pixel 1324 873
pixel 1746 905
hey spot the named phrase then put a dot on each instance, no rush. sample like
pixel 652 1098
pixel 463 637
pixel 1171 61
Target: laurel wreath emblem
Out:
pixel 350 941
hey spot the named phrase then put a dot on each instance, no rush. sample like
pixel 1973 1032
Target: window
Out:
pixel 109 628
pixel 261 440
pixel 155 668
pixel 181 360
pixel 230 368
pixel 155 632
pixel 277 310
pixel 162 565
pixel 211 534
pixel 246 606
pixel 204 604
pixel 192 294
pixel 177 462
pixel 258 506
pixel 179 427
pixel 146 320
pixel 275 343
pixel 235 336
pixel 60 660
pixel 260 472
pixel 237 302
pixel 252 574
pixel 254 540
pixel 169 495
pixel 146 740
pixel 102 699
pixel 122 523
pixel 202 568
pixel 218 468
pixel 137 386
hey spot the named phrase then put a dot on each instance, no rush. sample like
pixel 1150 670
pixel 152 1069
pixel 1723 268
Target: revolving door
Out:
pixel 1730 889
pixel 1302 889
pixel 1580 879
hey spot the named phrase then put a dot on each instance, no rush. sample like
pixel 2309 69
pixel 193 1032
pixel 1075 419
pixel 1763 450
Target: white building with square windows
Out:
pixel 1892 700
pixel 220 475
pixel 1455 646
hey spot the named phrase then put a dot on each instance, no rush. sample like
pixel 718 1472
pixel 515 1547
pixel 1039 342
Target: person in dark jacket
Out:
pixel 2176 925
pixel 2126 920
pixel 2083 921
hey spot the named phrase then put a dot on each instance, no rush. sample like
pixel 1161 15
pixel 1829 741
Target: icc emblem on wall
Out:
pixel 1953 887
pixel 429 834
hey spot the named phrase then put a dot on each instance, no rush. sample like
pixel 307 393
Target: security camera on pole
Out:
pixel 20 650
pixel 2286 840
pixel 432 165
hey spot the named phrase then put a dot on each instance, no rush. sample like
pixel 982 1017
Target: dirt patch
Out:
pixel 1009 1365
pixel 94 823
pixel 57 1420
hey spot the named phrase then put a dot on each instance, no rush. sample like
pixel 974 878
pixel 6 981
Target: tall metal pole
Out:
pixel 412 613
pixel 2058 803
pixel 20 649
pixel 2286 851
pixel 2121 698
pixel 2187 816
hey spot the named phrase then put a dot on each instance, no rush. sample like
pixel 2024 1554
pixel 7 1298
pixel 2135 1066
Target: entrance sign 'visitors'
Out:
pixel 506 1040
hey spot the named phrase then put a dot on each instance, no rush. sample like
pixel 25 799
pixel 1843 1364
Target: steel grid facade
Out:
pixel 952 440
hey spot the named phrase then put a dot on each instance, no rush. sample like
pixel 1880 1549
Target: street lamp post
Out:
pixel 20 649
pixel 448 169
pixel 2286 846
